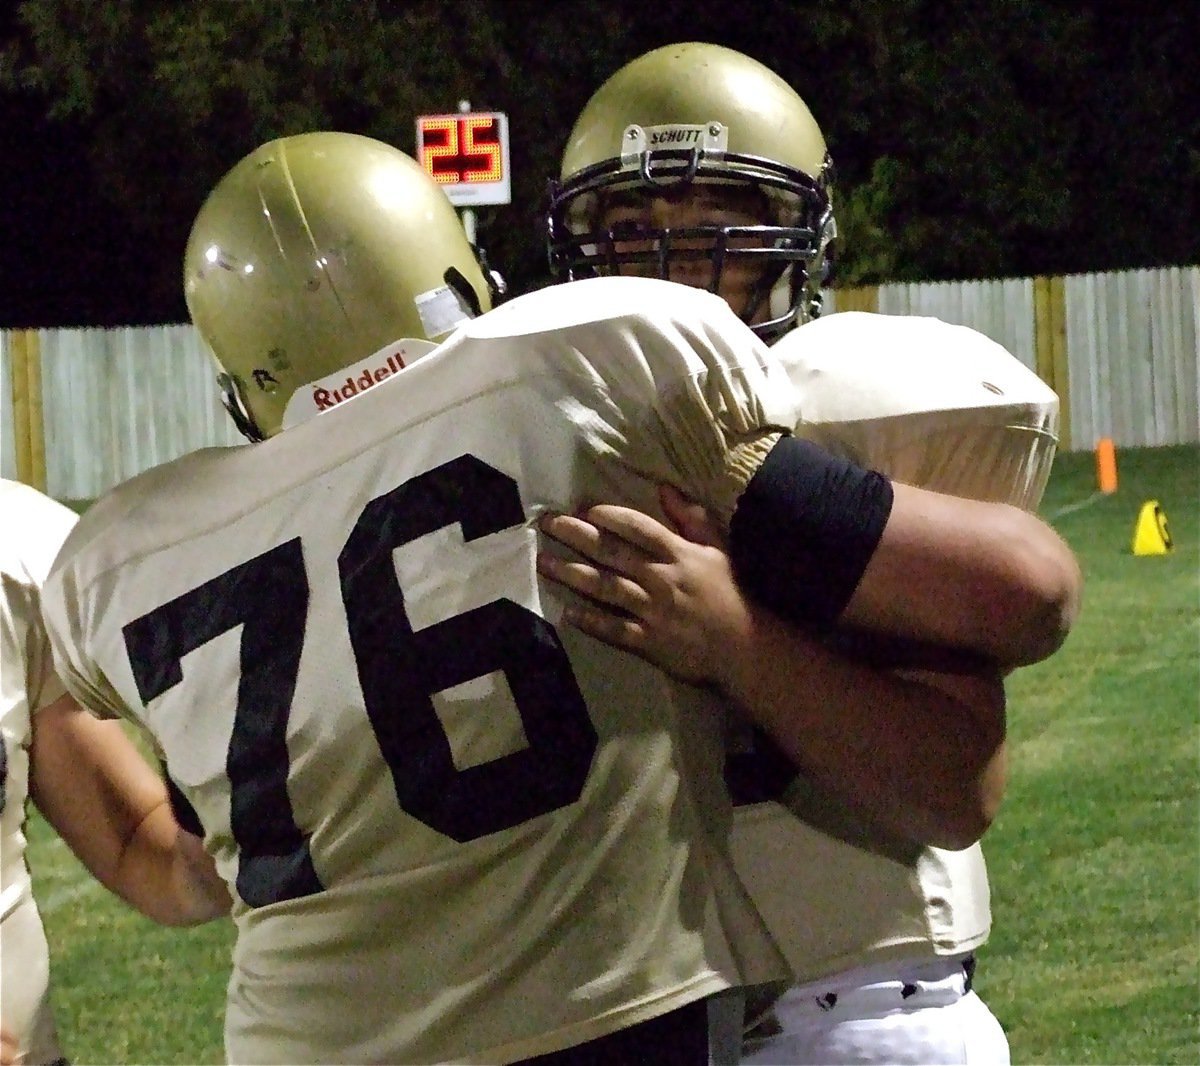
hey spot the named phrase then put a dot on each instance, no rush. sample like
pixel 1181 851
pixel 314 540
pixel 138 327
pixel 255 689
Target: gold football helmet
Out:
pixel 699 113
pixel 315 252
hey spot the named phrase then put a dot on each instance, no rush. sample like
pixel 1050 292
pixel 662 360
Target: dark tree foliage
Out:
pixel 972 139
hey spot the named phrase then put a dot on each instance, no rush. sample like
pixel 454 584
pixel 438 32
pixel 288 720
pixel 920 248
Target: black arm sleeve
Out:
pixel 805 529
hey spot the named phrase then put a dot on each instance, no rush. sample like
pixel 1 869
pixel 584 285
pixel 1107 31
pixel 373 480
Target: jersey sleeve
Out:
pixel 35 527
pixel 64 613
pixel 928 403
pixel 78 671
pixel 45 683
pixel 661 378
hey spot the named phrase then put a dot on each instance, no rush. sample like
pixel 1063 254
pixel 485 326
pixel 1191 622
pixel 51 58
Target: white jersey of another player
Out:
pixel 931 404
pixel 946 408
pixel 453 832
pixel 32 527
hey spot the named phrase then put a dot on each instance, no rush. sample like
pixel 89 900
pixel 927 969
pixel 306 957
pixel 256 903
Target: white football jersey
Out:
pixel 32 527
pixel 944 407
pixel 453 831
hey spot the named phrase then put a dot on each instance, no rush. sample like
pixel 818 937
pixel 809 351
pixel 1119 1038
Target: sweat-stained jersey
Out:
pixel 453 832
pixel 32 527
pixel 946 408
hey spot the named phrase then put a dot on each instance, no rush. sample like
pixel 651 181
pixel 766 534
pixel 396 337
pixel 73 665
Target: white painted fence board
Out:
pixel 116 402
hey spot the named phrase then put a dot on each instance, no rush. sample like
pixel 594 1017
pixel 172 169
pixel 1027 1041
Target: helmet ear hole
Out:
pixel 462 289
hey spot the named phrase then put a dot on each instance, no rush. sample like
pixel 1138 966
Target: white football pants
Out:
pixel 905 1014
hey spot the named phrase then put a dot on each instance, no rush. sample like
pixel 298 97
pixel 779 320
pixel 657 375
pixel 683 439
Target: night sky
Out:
pixel 69 258
pixel 52 274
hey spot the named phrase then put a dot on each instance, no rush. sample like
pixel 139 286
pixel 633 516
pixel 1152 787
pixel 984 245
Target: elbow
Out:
pixel 193 909
pixel 951 826
pixel 964 823
pixel 1044 594
pixel 176 909
pixel 958 829
pixel 192 905
pixel 1058 592
pixel 969 804
pixel 171 918
pixel 956 838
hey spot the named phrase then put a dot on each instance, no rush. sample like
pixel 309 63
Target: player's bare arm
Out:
pixel 116 817
pixel 985 577
pixel 827 543
pixel 870 735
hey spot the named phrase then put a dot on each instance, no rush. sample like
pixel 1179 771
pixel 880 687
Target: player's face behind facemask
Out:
pixel 708 235
pixel 314 255
pixel 695 152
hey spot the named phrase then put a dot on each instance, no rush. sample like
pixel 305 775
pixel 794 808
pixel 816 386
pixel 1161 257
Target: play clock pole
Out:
pixel 467 213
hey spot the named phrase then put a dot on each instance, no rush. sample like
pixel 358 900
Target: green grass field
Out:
pixel 1095 859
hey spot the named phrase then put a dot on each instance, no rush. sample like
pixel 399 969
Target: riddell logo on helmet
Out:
pixel 328 392
pixel 325 398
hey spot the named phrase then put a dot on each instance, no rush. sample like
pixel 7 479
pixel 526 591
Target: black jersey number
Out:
pixel 399 671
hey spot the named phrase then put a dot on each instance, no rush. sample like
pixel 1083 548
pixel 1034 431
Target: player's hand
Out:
pixel 650 590
pixel 691 520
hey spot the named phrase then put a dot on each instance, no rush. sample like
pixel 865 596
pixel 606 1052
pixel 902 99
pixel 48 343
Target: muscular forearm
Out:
pixel 165 873
pixel 826 543
pixel 918 753
pixel 984 577
pixel 99 794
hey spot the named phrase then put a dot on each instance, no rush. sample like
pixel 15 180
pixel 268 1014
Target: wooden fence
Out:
pixel 82 409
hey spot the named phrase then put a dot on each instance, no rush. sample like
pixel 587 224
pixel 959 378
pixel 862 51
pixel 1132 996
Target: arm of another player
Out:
pixel 920 752
pixel 986 577
pixel 112 809
pixel 824 542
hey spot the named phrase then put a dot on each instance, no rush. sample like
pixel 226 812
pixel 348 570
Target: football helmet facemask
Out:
pixel 315 252
pixel 699 114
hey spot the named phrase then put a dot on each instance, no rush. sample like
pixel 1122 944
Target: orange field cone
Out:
pixel 1106 465
pixel 1151 535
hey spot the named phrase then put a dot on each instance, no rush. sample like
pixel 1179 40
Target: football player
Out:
pixel 698 163
pixel 452 833
pixel 85 777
